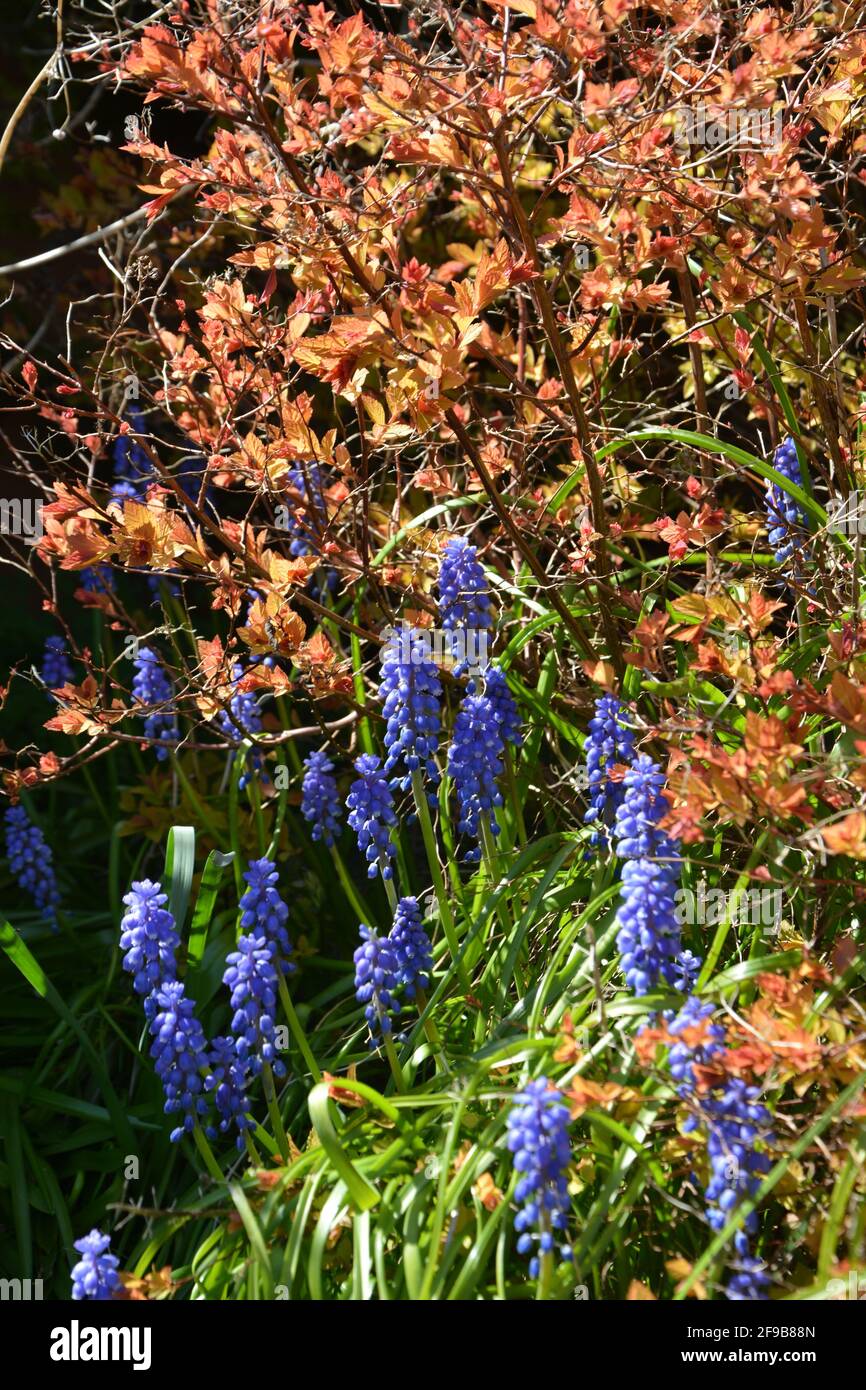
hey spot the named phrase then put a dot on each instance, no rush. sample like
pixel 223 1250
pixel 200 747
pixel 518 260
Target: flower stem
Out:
pixel 359 907
pixel 298 1031
pixel 274 1112
pixel 207 1153
pixel 436 874
pixel 394 1062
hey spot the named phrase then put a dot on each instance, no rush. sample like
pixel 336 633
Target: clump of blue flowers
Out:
pixel 31 863
pixel 320 800
pixel 251 977
pixel 95 1275
pixel 413 953
pixel 377 977
pixel 56 666
pixel 609 742
pixel 264 913
pixel 786 521
pixel 474 765
pixel 152 688
pixel 305 528
pixel 227 1079
pixel 179 1051
pixel 735 1122
pixel 464 601
pixel 149 938
pixel 132 469
pixel 411 693
pixel 648 936
pixel 372 815
pixel 502 703
pixel 636 825
pixel 538 1138
pixel 242 718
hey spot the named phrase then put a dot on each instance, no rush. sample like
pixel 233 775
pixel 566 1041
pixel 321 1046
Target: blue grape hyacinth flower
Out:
pixel 648 932
pixel 502 702
pixel 152 688
pixel 320 800
pixel 377 977
pixel 464 603
pixel 635 830
pixel 242 718
pixel 411 946
pixel 149 938
pixel 56 666
pixel 228 1078
pixel 251 976
pixel 538 1138
pixel 609 742
pixel 95 1276
pixel 180 1054
pixel 735 1122
pixel 787 523
pixel 474 765
pixel 411 694
pixel 372 815
pixel 264 913
pixel 31 863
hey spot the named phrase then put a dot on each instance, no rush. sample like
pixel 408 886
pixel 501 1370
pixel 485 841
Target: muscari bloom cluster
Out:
pixel 786 520
pixel 734 1119
pixel 242 718
pixel 648 937
pixel 411 694
pixel 132 468
pixel 376 979
pixel 413 954
pixel 95 1276
pixel 179 1051
pixel 152 687
pixel 464 598
pixel 320 801
pixel 56 667
pixel 495 688
pixel 372 815
pixel 609 742
pixel 475 762
pixel 385 964
pixel 31 862
pixel 252 978
pixel 264 913
pixel 149 939
pixel 538 1139
pixel 227 1079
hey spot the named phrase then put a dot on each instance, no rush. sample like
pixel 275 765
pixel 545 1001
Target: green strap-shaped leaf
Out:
pixel 362 1194
pixel 217 862
pixel 179 869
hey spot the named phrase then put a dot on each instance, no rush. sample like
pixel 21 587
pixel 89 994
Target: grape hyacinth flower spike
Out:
pixel 643 805
pixel 252 978
pixel 179 1051
pixel 538 1138
pixel 786 521
pixel 242 718
pixel 151 687
pixel 31 863
pixel 609 742
pixel 372 815
pixel 411 693
pixel 502 702
pixel 474 765
pixel 95 1276
pixel 149 938
pixel 411 946
pixel 56 667
pixel 377 976
pixel 227 1078
pixel 648 932
pixel 320 801
pixel 464 604
pixel 264 913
